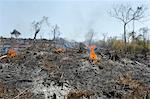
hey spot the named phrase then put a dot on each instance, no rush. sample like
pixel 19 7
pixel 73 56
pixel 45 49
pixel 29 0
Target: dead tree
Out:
pixel 15 33
pixel 144 31
pixel 37 26
pixel 126 14
pixel 104 38
pixel 55 31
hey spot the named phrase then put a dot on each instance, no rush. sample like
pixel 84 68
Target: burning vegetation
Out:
pixel 111 68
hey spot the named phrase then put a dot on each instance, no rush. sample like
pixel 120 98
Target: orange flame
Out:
pixel 93 56
pixel 11 53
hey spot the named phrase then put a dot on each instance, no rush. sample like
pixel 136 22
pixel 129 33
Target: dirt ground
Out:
pixel 69 74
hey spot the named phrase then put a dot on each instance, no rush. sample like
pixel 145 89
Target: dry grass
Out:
pixel 7 92
pixel 59 50
pixel 78 94
pixel 2 89
pixel 139 91
pixel 49 65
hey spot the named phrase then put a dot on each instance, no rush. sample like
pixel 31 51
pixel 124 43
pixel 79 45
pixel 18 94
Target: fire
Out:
pixel 93 56
pixel 11 53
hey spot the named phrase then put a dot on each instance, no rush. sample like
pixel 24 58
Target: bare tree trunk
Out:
pixel 125 41
pixel 36 32
pixel 54 35
pixel 35 36
pixel 54 42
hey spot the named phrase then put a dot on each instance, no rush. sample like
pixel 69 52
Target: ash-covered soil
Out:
pixel 46 74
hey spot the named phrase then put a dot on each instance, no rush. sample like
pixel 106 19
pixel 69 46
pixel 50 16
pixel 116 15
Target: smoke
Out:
pixel 88 19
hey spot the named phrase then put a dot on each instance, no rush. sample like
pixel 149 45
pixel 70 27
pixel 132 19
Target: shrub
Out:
pixel 118 45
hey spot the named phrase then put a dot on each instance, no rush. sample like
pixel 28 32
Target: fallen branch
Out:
pixel 17 97
pixel 3 57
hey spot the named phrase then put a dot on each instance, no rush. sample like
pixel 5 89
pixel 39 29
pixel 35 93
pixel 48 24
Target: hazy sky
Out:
pixel 74 17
